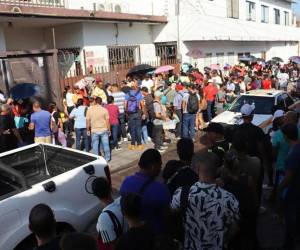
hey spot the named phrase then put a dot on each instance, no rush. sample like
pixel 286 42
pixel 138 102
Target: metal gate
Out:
pixel 39 67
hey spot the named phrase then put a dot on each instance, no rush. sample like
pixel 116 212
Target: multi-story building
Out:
pixel 103 33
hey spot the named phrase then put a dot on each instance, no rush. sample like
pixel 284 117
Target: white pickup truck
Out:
pixel 43 173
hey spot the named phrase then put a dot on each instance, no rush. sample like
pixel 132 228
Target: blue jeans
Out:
pixel 114 134
pixel 82 132
pixel 135 128
pixel 188 125
pixel 210 110
pixel 102 138
pixel 145 131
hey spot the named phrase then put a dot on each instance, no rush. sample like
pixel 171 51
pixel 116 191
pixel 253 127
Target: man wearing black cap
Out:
pixel 219 146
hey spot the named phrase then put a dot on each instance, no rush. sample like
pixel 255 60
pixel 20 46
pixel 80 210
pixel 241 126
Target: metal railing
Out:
pixel 35 3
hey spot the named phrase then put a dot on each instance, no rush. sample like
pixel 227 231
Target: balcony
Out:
pixel 35 3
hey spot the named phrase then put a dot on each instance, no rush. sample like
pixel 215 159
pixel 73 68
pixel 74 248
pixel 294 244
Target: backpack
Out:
pixel 193 104
pixel 132 104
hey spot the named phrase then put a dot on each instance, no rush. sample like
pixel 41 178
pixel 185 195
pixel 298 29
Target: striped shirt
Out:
pixel 119 99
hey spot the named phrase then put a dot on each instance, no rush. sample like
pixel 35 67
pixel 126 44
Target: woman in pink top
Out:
pixel 113 111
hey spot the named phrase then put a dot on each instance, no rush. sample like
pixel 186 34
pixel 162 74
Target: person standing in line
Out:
pixel 283 79
pixel 111 223
pixel 212 213
pixel 148 110
pixel 9 134
pixel 210 92
pixel 98 90
pixel 181 91
pixel 113 111
pixel 190 106
pixel 134 107
pixel 42 224
pixel 97 124
pixel 119 100
pixel 40 122
pixel 290 187
pixel 79 115
pixel 160 117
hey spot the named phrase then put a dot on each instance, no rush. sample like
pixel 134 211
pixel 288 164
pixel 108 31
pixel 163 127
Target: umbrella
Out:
pixel 277 59
pixel 140 69
pixel 215 67
pixel 271 62
pixel 163 69
pixel 295 59
pixel 85 82
pixel 24 90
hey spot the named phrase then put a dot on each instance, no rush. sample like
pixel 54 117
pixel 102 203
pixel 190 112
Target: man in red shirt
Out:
pixel 266 82
pixel 210 92
pixel 113 111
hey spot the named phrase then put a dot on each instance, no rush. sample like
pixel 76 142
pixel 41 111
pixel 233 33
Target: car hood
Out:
pixel 234 118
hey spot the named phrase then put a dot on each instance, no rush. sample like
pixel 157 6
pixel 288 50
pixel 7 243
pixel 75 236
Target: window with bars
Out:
pixel 233 7
pixel 250 11
pixel 166 50
pixel 264 14
pixel 123 55
pixel 286 18
pixel 276 16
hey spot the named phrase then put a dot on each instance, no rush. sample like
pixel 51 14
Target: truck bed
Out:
pixel 37 164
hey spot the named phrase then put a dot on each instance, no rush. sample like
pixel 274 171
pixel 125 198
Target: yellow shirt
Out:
pixel 98 117
pixel 99 93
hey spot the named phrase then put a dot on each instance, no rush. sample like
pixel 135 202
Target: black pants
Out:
pixel 178 125
pixel 157 136
pixel 122 121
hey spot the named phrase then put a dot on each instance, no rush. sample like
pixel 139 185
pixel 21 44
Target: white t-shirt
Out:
pixel 105 226
pixel 148 84
pixel 217 80
pixel 283 79
pixel 69 97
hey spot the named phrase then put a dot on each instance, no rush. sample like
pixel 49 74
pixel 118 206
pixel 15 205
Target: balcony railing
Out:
pixel 35 3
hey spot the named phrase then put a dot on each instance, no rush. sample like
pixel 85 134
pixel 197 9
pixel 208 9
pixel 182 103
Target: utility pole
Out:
pixel 178 30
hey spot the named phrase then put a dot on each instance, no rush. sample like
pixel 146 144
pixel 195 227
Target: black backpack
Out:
pixel 193 104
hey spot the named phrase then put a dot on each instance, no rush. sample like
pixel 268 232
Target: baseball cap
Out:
pixel 158 93
pixel 247 109
pixel 215 127
pixel 278 113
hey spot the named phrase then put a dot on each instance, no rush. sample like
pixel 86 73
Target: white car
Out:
pixel 44 173
pixel 263 101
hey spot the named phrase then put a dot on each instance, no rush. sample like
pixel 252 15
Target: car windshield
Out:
pixel 263 105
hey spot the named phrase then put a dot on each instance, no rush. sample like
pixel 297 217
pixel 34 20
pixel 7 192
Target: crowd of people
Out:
pixel 209 199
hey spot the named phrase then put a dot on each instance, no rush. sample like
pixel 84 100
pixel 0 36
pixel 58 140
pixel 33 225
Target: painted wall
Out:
pixel 69 35
pixel 272 49
pixel 2 39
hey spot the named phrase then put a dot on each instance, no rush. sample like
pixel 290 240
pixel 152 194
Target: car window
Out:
pixel 263 105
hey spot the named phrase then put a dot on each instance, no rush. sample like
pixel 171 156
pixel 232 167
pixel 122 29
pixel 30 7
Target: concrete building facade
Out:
pixel 103 33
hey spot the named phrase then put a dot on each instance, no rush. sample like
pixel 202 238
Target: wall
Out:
pixel 25 39
pixel 69 35
pixel 2 40
pixel 97 36
pixel 272 49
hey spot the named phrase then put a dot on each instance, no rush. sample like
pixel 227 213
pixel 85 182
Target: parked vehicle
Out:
pixel 262 100
pixel 43 173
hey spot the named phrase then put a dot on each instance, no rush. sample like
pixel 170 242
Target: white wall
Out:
pixel 2 39
pixel 272 49
pixel 25 39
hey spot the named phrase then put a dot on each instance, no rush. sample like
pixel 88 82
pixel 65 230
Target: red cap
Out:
pixel 179 87
pixel 98 79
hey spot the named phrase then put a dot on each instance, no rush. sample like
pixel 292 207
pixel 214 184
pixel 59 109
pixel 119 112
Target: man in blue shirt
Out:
pixel 79 114
pixel 290 186
pixel 40 122
pixel 155 195
pixel 134 107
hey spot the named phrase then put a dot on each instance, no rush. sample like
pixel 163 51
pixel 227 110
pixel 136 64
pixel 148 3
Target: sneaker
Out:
pixel 125 139
pixel 131 147
pixel 149 139
pixel 165 143
pixel 163 147
pixel 178 138
pixel 119 143
pixel 140 147
pixel 118 149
